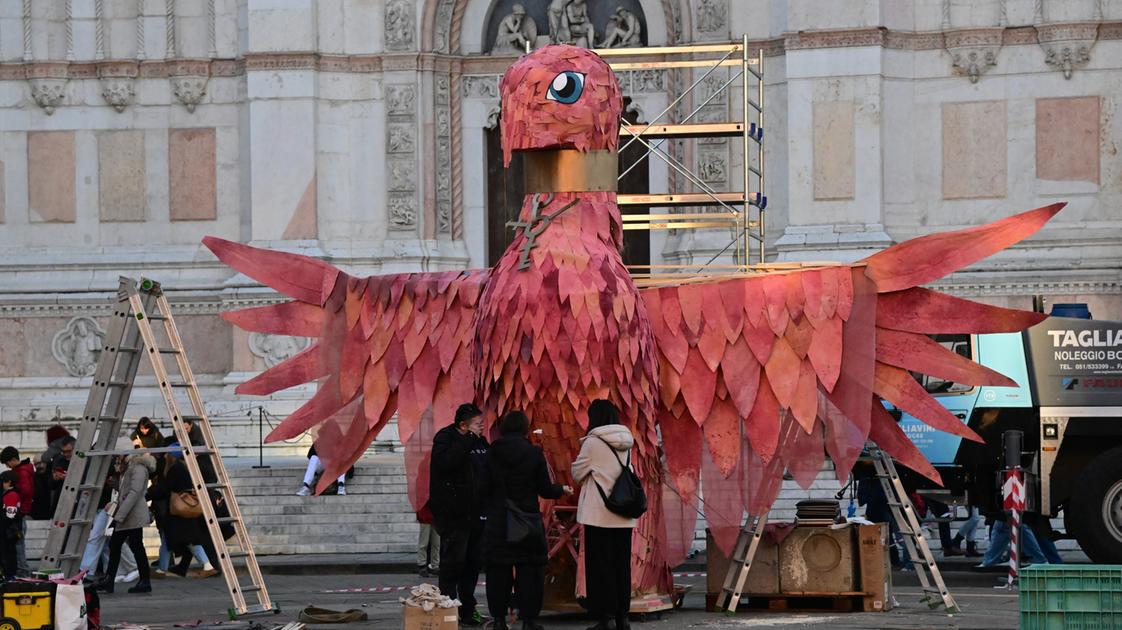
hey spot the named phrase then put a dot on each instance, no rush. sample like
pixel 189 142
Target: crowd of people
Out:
pixel 140 490
pixel 484 505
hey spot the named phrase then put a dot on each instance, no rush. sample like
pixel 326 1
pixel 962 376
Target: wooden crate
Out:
pixel 762 578
pixel 815 568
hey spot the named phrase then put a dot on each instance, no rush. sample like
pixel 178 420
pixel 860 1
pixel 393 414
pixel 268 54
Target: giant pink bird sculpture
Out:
pixel 733 380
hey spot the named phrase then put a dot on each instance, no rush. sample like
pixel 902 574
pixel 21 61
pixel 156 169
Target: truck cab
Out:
pixel 1068 404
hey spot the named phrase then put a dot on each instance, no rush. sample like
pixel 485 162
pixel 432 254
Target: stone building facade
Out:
pixel 356 130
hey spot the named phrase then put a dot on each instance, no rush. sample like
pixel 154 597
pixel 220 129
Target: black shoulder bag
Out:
pixel 521 526
pixel 627 498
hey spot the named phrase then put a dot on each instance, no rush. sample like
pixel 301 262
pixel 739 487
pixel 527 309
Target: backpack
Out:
pixel 627 498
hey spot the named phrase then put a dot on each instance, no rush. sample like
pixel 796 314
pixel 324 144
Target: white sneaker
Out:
pixel 342 490
pixel 131 577
pixel 305 490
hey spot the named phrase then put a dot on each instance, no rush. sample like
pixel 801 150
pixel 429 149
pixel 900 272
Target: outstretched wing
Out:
pixel 764 373
pixel 383 344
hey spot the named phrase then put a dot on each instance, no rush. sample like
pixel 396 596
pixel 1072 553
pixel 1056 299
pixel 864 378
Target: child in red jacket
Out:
pixel 11 520
pixel 25 486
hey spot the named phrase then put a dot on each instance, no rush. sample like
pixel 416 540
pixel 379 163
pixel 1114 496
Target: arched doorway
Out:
pixel 505 193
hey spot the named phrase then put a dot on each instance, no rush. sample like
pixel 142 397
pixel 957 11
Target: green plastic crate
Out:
pixel 1071 597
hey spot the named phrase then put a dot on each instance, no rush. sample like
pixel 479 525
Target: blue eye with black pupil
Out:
pixel 566 88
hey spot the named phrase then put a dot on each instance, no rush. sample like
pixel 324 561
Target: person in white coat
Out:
pixel 604 452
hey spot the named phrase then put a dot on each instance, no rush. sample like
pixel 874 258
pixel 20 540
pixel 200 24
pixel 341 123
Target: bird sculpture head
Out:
pixel 560 97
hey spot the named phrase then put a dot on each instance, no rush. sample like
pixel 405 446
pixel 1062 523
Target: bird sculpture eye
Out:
pixel 566 88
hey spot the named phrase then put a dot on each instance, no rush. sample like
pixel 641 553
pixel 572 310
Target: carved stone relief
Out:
pixel 518 25
pixel 480 86
pixel 648 81
pixel 517 33
pixel 401 144
pixel 273 349
pixel 78 345
pixel 441 36
pixel 403 211
pixel 400 24
pixel 401 138
pixel 712 166
pixel 400 99
pixel 712 15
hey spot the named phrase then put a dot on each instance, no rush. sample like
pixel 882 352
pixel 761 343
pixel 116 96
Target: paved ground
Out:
pixel 180 601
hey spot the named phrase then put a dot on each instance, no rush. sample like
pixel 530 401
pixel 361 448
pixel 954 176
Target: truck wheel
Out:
pixel 1095 511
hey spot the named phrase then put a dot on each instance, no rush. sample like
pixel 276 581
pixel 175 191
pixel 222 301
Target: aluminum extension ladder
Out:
pixel 130 336
pixel 907 523
pixel 741 562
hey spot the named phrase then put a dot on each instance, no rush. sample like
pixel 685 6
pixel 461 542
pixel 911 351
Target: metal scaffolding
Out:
pixel 741 211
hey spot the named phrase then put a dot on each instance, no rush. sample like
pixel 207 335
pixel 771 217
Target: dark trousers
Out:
pixel 134 537
pixel 607 571
pixel 8 558
pixel 461 560
pixel 528 581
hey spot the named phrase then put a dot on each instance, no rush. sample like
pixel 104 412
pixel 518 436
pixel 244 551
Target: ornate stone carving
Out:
pixel 402 138
pixel 569 23
pixel 622 30
pixel 118 92
pixel 444 170
pixel 403 211
pixel 493 117
pixel 648 81
pixel 401 143
pixel 275 348
pixel 400 26
pixel 476 86
pixel 190 90
pixel 403 174
pixel 712 166
pixel 400 100
pixel 1067 47
pixel 78 345
pixel 517 33
pixel 712 15
pixel 973 51
pixel 443 23
pixel 48 93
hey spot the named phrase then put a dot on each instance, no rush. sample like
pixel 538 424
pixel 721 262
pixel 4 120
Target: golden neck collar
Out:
pixel 570 170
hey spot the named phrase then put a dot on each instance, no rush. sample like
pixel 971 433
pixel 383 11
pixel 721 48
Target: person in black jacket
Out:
pixel 181 533
pixel 517 475
pixel 458 452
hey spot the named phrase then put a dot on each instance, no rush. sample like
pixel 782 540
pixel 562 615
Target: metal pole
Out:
pixel 760 147
pixel 261 438
pixel 746 217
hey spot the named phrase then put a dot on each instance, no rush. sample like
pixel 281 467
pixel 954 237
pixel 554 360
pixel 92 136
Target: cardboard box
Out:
pixel 437 619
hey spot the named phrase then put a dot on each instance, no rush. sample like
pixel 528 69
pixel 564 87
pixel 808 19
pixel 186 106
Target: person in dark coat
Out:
pixel 147 434
pixel 458 452
pixel 517 474
pixel 43 508
pixel 181 533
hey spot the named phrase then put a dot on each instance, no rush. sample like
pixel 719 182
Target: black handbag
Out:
pixel 627 498
pixel 521 526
